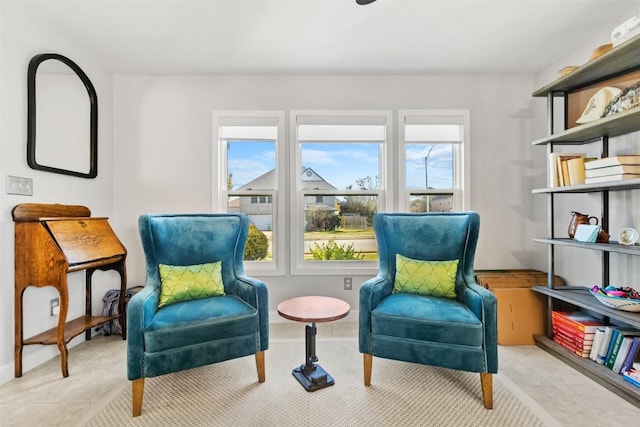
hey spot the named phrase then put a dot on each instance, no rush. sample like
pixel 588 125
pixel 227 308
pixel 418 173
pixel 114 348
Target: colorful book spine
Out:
pixel 577 320
pixel 593 355
pixel 613 348
pixel 617 344
pixel 631 378
pixel 571 346
pixel 573 336
pixel 634 351
pixel 586 336
pixel 622 354
pixel 604 345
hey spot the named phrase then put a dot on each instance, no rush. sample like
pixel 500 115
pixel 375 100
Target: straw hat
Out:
pixel 600 50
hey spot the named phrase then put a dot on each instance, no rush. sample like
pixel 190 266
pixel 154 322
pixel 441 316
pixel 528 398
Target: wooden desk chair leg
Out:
pixel 260 366
pixel 368 362
pixel 486 380
pixel 137 389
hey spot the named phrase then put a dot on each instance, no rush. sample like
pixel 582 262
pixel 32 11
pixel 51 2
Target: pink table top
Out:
pixel 313 309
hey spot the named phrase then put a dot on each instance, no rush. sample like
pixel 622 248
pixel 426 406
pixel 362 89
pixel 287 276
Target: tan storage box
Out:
pixel 521 311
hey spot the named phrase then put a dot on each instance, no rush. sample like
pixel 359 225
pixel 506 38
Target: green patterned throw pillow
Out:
pixel 434 278
pixel 189 282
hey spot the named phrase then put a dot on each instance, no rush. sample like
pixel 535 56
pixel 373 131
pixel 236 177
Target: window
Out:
pixel 432 157
pixel 249 179
pixel 339 167
pixel 313 191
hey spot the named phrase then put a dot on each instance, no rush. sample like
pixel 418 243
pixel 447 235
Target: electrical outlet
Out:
pixel 54 303
pixel 18 185
pixel 348 283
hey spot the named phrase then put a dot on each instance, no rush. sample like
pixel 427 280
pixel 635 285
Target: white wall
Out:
pixel 20 40
pixel 162 162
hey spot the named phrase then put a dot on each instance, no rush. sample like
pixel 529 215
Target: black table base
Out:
pixel 311 375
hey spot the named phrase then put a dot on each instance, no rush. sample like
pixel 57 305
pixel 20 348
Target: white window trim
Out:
pixel 219 197
pixel 461 193
pixel 298 265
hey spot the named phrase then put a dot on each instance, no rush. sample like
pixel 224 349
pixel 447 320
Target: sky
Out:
pixel 341 164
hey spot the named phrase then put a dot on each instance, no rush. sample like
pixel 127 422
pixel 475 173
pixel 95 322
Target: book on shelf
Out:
pixel 632 356
pixel 612 343
pixel 571 346
pixel 625 346
pixel 617 338
pixel 558 168
pixel 618 177
pixel 625 159
pixel 576 343
pixel 577 320
pixel 581 336
pixel 576 170
pixel 593 355
pixel 604 344
pixel 611 170
pixel 632 376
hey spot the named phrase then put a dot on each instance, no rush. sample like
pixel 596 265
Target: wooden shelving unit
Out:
pixel 623 60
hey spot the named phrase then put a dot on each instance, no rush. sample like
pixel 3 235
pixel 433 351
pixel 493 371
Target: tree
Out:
pixel 257 245
pixel 319 219
pixel 420 204
pixel 365 206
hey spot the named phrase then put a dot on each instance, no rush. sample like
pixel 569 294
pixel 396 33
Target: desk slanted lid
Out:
pixel 84 239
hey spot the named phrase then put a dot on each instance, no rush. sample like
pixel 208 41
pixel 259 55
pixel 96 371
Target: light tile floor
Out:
pixel 97 368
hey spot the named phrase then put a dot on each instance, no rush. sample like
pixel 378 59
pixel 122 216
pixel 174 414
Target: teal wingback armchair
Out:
pixel 458 333
pixel 202 331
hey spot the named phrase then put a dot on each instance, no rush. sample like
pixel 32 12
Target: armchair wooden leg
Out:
pixel 137 389
pixel 260 366
pixel 486 380
pixel 368 362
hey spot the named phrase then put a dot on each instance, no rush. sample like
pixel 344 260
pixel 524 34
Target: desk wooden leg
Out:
pixel 18 338
pixel 62 320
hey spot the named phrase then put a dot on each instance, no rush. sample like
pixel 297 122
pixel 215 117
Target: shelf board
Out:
pixel 627 184
pixel 612 246
pixel 599 373
pixel 621 59
pixel 72 329
pixel 614 125
pixel 580 297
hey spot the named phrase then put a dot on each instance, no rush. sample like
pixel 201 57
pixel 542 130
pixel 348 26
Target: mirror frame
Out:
pixel 31 117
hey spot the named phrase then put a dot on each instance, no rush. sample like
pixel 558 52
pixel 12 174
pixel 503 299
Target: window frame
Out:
pixel 297 195
pixel 461 174
pixel 220 193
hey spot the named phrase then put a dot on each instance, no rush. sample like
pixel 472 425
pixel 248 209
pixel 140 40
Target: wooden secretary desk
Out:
pixel 51 241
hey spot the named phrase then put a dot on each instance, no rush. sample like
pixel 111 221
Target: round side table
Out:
pixel 313 309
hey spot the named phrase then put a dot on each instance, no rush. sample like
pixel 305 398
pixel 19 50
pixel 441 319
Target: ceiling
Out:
pixel 327 36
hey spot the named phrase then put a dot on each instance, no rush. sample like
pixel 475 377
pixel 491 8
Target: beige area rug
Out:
pixel 401 394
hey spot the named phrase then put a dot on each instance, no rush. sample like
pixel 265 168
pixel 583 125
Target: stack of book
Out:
pixel 575 331
pixel 615 168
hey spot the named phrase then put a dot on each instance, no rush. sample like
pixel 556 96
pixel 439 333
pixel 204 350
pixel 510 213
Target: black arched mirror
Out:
pixel 62 121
